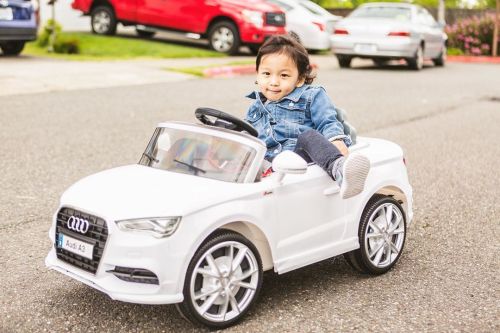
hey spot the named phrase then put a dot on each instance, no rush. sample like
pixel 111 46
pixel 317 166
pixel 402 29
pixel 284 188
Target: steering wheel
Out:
pixel 224 120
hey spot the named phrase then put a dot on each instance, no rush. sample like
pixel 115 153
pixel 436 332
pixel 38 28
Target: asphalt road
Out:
pixel 447 280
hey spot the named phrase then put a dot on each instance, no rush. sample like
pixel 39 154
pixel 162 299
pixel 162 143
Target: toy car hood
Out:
pixel 136 191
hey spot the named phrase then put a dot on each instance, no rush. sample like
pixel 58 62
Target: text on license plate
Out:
pixel 365 48
pixel 75 246
pixel 6 14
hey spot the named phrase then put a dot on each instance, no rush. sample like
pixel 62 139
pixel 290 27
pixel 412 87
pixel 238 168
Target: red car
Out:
pixel 226 24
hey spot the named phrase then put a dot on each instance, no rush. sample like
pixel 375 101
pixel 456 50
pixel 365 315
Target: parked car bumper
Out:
pixel 251 34
pixel 17 33
pixel 391 47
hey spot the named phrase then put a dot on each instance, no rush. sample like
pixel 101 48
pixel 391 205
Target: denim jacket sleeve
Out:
pixel 324 118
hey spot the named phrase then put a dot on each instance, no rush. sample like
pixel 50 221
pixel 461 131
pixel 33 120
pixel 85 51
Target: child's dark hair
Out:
pixel 286 44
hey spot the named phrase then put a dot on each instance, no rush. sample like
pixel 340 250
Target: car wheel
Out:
pixel 441 59
pixel 417 62
pixel 254 48
pixel 224 37
pixel 222 282
pixel 380 62
pixel 12 48
pixel 382 234
pixel 145 33
pixel 103 20
pixel 344 61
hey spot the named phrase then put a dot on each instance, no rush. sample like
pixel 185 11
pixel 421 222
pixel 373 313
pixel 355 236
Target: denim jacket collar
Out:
pixel 294 96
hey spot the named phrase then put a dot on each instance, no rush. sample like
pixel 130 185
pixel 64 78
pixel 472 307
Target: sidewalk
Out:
pixel 28 75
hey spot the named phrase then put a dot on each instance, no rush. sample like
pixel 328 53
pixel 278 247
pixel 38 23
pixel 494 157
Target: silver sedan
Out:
pixel 385 31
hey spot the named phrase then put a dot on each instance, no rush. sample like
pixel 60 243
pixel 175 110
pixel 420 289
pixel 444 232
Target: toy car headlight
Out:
pixel 254 17
pixel 159 227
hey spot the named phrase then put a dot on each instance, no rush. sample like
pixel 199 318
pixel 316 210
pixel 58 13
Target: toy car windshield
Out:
pixel 198 154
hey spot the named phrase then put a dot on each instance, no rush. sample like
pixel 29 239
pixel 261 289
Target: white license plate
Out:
pixel 6 14
pixel 75 246
pixel 365 48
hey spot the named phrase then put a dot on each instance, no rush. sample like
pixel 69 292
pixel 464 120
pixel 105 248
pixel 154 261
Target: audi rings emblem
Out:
pixel 78 224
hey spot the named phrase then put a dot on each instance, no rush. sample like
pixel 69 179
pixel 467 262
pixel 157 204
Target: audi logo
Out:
pixel 78 224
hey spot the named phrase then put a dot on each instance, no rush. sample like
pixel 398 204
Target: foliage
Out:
pixel 96 47
pixel 473 36
pixel 43 37
pixel 425 3
pixel 67 45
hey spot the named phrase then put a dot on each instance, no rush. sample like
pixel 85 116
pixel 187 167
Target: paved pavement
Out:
pixel 446 120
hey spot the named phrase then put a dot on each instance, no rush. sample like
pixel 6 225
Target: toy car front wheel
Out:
pixel 222 282
pixel 382 234
pixel 103 20
pixel 12 47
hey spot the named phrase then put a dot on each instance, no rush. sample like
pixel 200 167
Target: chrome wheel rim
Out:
pixel 224 281
pixel 101 22
pixel 223 39
pixel 384 236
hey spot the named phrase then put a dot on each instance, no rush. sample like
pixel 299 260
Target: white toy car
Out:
pixel 193 223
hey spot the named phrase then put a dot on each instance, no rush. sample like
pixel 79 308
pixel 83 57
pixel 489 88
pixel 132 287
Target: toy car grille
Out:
pixel 275 19
pixel 96 235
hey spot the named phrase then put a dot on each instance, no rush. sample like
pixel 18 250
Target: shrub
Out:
pixel 67 45
pixel 43 37
pixel 473 36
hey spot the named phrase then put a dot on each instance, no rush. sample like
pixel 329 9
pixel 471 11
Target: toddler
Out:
pixel 291 114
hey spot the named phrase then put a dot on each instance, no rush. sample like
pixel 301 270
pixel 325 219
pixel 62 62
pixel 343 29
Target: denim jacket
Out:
pixel 279 123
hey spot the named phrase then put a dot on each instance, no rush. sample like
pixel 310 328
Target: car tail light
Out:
pixel 399 34
pixel 321 26
pixel 340 31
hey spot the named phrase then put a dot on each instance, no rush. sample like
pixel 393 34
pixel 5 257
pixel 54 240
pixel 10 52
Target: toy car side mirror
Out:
pixel 289 162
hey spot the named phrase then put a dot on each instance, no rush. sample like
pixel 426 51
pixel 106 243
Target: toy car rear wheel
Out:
pixel 222 282
pixel 145 33
pixel 382 234
pixel 12 48
pixel 103 20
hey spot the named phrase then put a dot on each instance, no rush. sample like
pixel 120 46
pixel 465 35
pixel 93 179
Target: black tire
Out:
pixel 380 62
pixel 251 265
pixel 360 259
pixel 103 20
pixel 344 61
pixel 441 59
pixel 254 48
pixel 12 48
pixel 145 33
pixel 224 37
pixel 417 62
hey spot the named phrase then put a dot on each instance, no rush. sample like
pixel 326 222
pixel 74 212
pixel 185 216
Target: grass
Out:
pixel 198 70
pixel 95 47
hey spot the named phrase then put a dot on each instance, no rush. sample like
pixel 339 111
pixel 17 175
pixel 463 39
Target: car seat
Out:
pixel 348 128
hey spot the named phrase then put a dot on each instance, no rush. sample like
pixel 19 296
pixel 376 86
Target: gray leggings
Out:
pixel 314 147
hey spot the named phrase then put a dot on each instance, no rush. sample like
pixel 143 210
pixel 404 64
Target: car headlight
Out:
pixel 159 227
pixel 256 18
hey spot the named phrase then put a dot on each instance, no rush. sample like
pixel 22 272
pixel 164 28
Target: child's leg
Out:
pixel 350 174
pixel 314 147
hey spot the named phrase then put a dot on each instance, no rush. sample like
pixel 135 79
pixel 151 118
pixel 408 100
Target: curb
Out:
pixel 473 59
pixel 231 71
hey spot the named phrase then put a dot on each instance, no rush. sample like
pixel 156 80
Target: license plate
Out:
pixel 365 48
pixel 6 14
pixel 75 246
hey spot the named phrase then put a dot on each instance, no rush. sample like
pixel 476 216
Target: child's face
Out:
pixel 277 76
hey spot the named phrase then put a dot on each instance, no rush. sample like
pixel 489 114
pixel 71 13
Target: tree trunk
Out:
pixel 494 50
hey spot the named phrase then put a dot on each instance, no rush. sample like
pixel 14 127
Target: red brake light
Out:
pixel 339 31
pixel 321 26
pixel 399 34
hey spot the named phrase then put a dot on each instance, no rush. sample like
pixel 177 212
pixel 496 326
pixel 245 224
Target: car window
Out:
pixel 198 154
pixel 391 12
pixel 285 7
